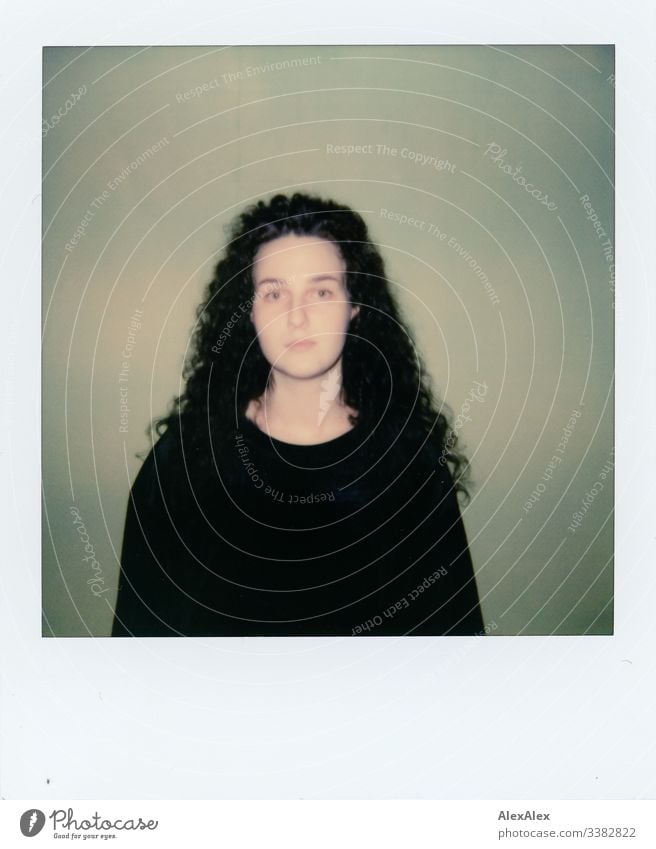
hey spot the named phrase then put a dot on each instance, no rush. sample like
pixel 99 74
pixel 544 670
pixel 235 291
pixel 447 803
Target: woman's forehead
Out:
pixel 298 253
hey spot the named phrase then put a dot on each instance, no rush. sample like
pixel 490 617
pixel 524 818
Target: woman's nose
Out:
pixel 296 317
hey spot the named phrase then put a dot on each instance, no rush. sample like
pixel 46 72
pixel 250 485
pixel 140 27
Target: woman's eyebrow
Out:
pixel 318 278
pixel 268 280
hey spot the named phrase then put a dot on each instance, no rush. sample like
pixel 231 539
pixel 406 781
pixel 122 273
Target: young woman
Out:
pixel 304 483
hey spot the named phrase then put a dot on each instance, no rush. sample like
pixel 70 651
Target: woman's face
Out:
pixel 301 308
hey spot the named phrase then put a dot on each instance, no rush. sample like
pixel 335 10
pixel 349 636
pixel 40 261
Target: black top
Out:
pixel 295 540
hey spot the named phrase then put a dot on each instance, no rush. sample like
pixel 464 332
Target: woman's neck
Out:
pixel 303 412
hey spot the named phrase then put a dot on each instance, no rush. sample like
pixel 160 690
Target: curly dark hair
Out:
pixel 382 373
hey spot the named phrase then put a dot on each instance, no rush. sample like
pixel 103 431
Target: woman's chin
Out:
pixel 307 371
pixel 302 365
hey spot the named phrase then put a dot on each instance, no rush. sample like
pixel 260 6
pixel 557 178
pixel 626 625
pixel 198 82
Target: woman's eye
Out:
pixel 324 293
pixel 272 295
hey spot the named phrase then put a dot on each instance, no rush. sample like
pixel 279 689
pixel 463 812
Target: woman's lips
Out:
pixel 301 344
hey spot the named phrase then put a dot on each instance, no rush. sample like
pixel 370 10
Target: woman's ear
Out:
pixel 354 312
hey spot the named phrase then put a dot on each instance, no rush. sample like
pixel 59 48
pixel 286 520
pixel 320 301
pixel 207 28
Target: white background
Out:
pixel 521 718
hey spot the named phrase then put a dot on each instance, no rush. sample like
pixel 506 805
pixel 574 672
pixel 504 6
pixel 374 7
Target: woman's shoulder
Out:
pixel 188 475
pixel 159 467
pixel 428 464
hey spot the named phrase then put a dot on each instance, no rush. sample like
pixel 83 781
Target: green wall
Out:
pixel 153 150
